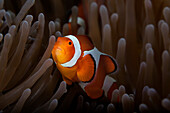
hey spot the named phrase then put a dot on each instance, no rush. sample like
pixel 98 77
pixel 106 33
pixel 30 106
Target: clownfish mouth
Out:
pixel 58 49
pixel 59 52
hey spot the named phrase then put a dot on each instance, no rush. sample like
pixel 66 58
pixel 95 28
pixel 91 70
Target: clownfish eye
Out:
pixel 69 43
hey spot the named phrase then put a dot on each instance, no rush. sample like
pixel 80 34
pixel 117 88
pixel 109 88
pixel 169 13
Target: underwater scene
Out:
pixel 84 56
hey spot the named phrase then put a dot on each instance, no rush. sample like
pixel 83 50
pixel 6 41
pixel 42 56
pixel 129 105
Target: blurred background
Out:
pixel 135 33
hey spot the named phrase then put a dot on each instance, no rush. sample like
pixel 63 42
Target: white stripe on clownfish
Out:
pixel 108 82
pixel 77 53
pixel 95 54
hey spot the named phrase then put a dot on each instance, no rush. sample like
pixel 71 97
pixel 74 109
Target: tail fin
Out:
pixel 109 64
pixel 109 86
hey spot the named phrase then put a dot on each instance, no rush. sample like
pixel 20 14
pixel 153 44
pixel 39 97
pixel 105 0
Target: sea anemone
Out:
pixel 135 33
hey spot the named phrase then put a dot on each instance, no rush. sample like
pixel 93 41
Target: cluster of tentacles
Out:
pixel 136 33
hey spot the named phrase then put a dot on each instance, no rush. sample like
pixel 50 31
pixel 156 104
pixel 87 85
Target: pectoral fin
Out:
pixel 86 70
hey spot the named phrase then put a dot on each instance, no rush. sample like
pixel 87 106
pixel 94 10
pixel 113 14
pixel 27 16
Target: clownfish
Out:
pixel 79 61
pixel 81 19
pixel 83 10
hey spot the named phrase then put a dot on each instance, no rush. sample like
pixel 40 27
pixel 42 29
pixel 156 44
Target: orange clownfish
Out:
pixel 79 61
pixel 81 19
pixel 83 10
